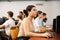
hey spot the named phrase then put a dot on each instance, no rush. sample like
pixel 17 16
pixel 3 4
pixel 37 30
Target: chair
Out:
pixel 1 21
pixel 3 36
pixel 14 32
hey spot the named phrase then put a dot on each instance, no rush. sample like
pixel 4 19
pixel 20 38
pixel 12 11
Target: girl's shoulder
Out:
pixel 25 20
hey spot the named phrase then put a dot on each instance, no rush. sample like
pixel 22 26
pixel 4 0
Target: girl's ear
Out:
pixel 28 12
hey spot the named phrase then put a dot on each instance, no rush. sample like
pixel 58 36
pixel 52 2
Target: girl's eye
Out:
pixel 34 9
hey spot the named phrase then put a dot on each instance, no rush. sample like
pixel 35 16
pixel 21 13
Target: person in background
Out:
pixel 37 20
pixel 21 14
pixel 47 28
pixel 27 27
pixel 45 25
pixel 7 25
pixel 41 20
pixel 19 18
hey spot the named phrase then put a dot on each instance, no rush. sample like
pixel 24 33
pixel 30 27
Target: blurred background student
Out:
pixel 38 20
pixel 7 24
pixel 19 18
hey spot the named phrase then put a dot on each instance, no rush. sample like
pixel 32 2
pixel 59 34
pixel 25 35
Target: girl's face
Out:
pixel 40 15
pixel 20 14
pixel 44 17
pixel 33 12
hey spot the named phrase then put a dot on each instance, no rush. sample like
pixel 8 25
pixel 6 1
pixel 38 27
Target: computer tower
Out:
pixel 58 24
pixel 54 25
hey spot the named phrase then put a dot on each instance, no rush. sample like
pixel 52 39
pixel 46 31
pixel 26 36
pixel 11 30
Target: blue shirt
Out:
pixel 41 22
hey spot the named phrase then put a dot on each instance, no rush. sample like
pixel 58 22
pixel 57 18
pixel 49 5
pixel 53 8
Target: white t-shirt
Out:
pixel 44 23
pixel 36 24
pixel 8 25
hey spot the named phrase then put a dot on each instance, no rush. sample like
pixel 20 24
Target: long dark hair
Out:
pixel 28 9
pixel 20 17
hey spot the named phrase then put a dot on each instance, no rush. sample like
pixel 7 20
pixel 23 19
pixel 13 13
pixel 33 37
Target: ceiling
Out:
pixel 29 0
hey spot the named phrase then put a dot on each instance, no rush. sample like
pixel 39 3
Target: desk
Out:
pixel 56 37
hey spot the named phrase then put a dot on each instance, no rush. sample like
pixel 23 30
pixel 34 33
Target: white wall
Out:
pixel 50 7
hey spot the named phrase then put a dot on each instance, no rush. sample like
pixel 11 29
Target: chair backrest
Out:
pixel 1 21
pixel 14 32
pixel 4 19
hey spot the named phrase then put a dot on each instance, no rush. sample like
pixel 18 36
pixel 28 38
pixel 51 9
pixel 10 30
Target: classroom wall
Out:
pixel 52 8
